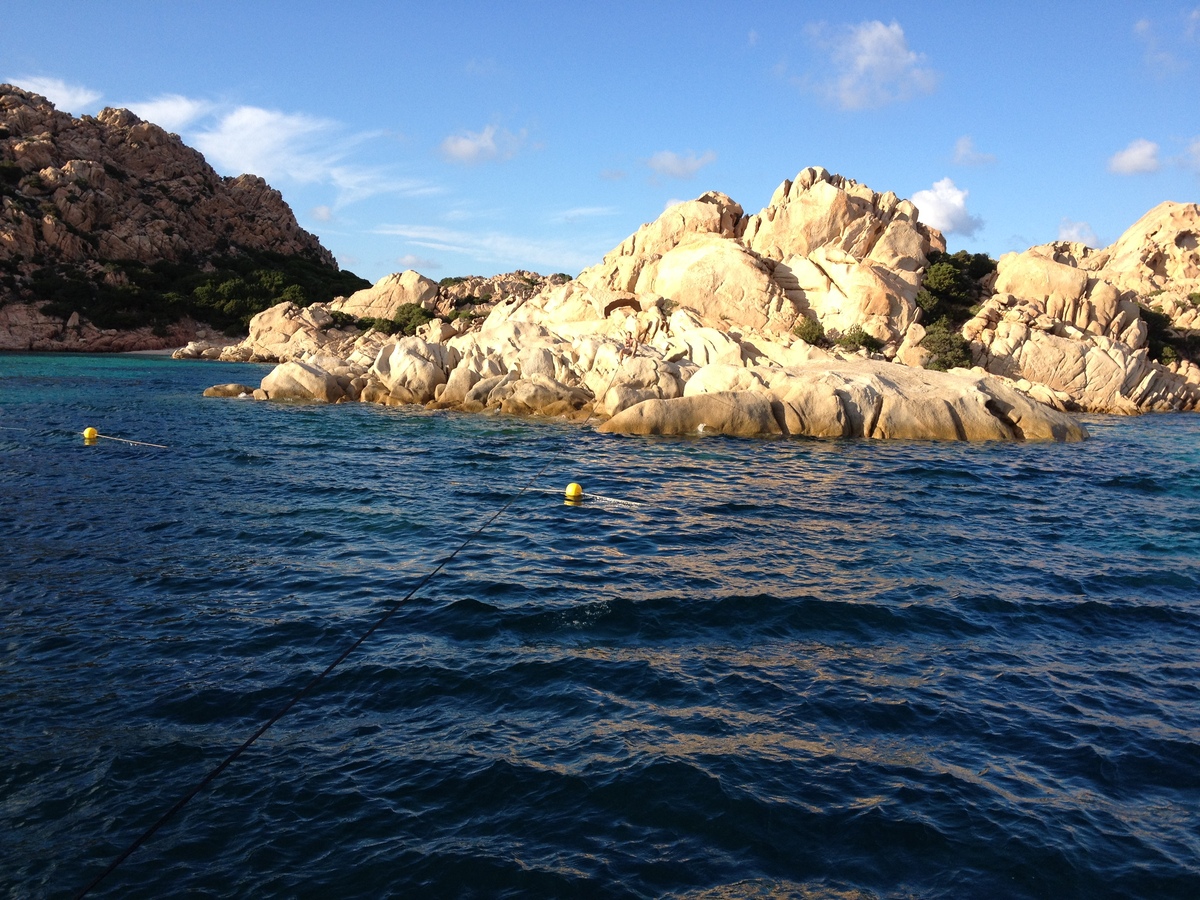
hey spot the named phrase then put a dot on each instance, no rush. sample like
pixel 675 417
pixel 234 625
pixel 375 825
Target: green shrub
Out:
pixel 1194 299
pixel 951 287
pixel 451 281
pixel 409 316
pixel 950 349
pixel 343 319
pixel 811 331
pixel 225 294
pixel 855 338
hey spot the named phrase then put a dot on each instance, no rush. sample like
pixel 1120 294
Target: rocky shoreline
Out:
pixel 693 325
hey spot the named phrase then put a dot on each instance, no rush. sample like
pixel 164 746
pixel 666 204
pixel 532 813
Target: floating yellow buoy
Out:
pixel 573 493
pixel 90 433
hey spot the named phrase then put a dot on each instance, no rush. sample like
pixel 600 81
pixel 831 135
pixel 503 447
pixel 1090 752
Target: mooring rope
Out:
pixel 317 679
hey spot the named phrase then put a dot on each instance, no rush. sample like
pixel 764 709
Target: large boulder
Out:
pixel 302 381
pixel 739 414
pixel 722 281
pixel 388 294
pixel 411 369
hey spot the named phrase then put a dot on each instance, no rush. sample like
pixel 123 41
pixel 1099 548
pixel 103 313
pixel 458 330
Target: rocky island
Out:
pixel 832 312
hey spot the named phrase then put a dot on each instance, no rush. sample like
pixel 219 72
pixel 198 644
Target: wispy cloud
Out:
pixel 494 246
pixel 298 147
pixel 570 216
pixel 270 144
pixel 677 165
pixel 965 153
pixel 322 213
pixel 674 201
pixel 1140 157
pixel 871 65
pixel 1159 60
pixel 1080 232
pixel 1192 157
pixel 472 147
pixel 72 98
pixel 614 175
pixel 171 111
pixel 944 207
pixel 419 263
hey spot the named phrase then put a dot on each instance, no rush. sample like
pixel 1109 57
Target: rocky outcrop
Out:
pixel 24 327
pixel 80 192
pixel 115 187
pixel 689 326
pixel 826 247
pixel 1071 319
pixel 388 294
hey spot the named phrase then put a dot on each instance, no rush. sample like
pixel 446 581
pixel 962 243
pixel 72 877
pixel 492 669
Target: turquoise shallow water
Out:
pixel 801 668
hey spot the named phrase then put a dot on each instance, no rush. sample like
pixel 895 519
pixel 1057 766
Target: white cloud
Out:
pixel 171 111
pixel 965 153
pixel 1192 160
pixel 1160 61
pixel 1139 157
pixel 614 175
pixel 1192 29
pixel 418 263
pixel 873 66
pixel 674 165
pixel 295 147
pixel 72 98
pixel 674 201
pixel 945 208
pixel 471 147
pixel 269 143
pixel 752 38
pixel 322 213
pixel 1080 232
pixel 583 212
pixel 498 247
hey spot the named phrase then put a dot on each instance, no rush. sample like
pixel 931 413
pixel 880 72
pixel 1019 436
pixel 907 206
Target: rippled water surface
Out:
pixel 798 668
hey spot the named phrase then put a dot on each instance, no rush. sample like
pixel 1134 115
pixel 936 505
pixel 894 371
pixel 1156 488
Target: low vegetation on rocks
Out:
pixel 224 292
pixel 953 286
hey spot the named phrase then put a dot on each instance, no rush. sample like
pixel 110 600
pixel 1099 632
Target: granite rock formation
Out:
pixel 85 191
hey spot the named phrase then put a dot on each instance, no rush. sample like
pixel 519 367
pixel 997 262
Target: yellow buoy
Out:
pixel 573 493
pixel 90 434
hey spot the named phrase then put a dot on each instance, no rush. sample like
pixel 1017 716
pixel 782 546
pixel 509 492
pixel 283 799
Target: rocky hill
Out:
pixel 114 220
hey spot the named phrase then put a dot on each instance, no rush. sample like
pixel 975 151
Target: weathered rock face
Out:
pixel 388 294
pixel 24 327
pixel 850 398
pixel 113 187
pixel 1069 318
pixel 826 247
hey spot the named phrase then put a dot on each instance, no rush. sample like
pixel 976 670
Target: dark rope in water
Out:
pixel 317 679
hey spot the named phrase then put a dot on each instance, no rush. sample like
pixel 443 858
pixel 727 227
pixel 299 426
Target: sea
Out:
pixel 738 668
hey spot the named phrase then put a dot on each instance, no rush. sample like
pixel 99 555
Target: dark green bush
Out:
pixel 950 349
pixel 1194 299
pixel 225 294
pixel 951 286
pixel 409 316
pixel 855 338
pixel 810 331
pixel 1165 345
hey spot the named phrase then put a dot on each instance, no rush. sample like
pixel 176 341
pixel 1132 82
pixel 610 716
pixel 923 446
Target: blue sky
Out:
pixel 470 138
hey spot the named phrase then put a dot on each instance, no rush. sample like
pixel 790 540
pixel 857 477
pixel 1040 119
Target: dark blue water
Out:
pixel 802 668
